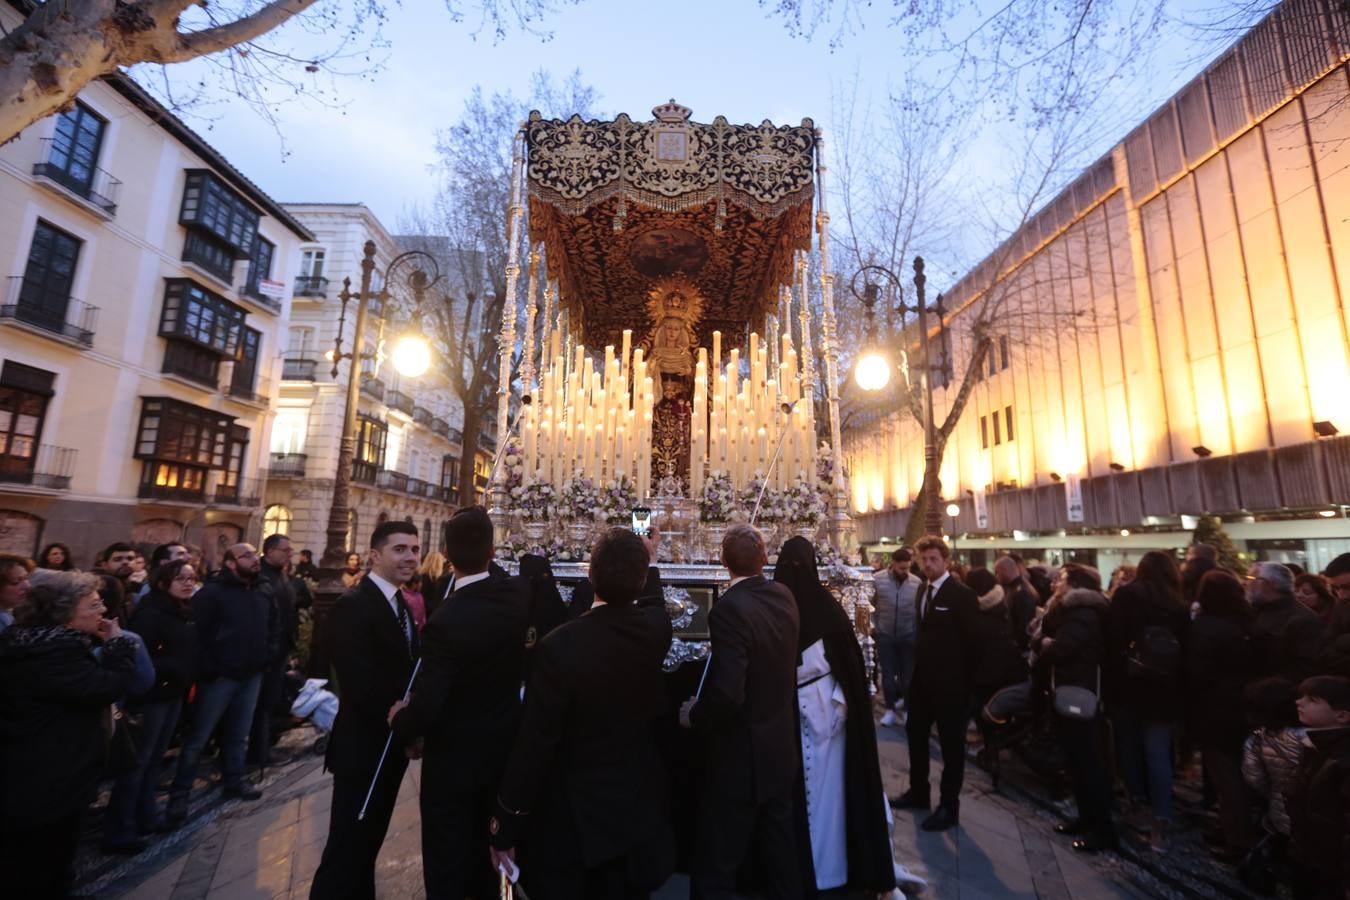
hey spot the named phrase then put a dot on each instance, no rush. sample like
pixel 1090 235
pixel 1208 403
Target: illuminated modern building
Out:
pixel 1174 339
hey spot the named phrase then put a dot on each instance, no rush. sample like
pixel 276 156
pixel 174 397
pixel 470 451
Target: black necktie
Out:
pixel 928 601
pixel 403 620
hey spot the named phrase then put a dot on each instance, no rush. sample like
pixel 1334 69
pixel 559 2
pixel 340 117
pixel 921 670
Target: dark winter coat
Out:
pixel 1270 758
pixel 55 718
pixel 1319 803
pixel 1294 636
pixel 1023 602
pixel 163 624
pixel 282 624
pixel 1076 624
pixel 999 664
pixel 1134 609
pixel 1218 664
pixel 1335 657
pixel 231 619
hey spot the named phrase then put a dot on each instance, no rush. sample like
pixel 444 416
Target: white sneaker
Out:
pixel 907 882
pixel 888 719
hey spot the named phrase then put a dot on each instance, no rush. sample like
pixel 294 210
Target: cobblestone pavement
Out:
pixel 1004 847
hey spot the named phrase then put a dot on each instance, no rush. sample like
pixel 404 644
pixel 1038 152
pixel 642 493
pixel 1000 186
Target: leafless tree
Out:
pixel 62 45
pixel 464 227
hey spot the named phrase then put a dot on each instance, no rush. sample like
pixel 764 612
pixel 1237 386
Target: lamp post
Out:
pixel 872 369
pixel 953 510
pixel 407 355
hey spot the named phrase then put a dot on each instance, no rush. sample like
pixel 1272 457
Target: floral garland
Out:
pixel 773 508
pixel 718 502
pixel 825 466
pixel 536 500
pixel 513 465
pixel 615 500
pixel 579 499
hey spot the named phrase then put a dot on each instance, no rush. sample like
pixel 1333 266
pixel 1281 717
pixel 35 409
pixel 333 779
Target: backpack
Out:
pixel 1155 657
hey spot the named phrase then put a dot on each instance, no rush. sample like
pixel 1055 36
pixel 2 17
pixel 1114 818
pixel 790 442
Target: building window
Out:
pixel 311 263
pixel 259 265
pixel 210 253
pixel 210 206
pixel 73 160
pixel 202 328
pixel 276 520
pixel 179 444
pixel 1003 352
pixel 24 394
pixel 1007 422
pixel 246 364
pixel 372 435
pixel 997 437
pixel 449 477
pixel 300 343
pixel 984 432
pixel 236 446
pixel 44 295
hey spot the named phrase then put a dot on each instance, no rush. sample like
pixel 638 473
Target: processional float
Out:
pixel 669 345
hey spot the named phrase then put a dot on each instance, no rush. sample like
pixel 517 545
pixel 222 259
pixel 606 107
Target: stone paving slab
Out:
pixel 269 850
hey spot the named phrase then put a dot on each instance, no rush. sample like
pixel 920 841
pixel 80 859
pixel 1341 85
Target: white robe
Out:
pixel 824 710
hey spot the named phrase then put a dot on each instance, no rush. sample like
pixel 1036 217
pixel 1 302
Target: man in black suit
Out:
pixel 747 714
pixel 466 705
pixel 586 787
pixel 946 650
pixel 372 643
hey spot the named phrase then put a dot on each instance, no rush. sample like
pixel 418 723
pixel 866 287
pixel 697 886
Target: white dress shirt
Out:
pixel 932 591
pixel 389 589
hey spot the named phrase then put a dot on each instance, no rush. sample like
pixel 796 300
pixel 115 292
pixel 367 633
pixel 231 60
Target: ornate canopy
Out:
pixel 621 205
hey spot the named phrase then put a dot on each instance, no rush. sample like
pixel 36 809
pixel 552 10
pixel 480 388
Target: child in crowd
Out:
pixel 1270 758
pixel 1319 793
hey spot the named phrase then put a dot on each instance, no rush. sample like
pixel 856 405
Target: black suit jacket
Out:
pixel 466 702
pixel 947 641
pixel 370 653
pixel 748 709
pixel 587 764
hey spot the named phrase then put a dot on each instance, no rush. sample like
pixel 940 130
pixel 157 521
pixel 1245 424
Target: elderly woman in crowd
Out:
pixel 161 620
pixel 62 665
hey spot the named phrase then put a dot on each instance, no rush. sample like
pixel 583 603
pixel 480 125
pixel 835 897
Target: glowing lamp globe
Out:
pixel 872 372
pixel 953 510
pixel 411 356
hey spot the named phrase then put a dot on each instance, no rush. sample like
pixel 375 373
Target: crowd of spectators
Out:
pixel 1246 672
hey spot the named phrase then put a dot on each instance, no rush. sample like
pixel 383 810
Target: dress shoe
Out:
pixel 888 719
pixel 243 792
pixel 911 800
pixel 1096 843
pixel 943 817
pixel 125 848
pixel 1073 827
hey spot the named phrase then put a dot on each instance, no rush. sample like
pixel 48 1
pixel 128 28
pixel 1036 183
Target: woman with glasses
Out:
pixel 162 621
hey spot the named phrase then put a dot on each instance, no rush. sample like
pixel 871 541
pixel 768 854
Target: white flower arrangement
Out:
pixel 615 500
pixel 579 499
pixel 536 500
pixel 719 501
pixel 804 502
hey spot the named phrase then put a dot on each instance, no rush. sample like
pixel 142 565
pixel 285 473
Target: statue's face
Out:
pixel 673 330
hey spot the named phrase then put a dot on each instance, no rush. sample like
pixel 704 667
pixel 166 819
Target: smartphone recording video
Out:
pixel 642 520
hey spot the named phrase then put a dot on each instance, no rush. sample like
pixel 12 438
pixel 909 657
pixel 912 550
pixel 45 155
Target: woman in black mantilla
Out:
pixel 840 803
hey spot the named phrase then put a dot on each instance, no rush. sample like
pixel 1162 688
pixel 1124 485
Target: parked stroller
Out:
pixel 319 706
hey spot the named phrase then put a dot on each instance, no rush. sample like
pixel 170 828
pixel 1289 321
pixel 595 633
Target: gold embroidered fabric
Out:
pixel 622 205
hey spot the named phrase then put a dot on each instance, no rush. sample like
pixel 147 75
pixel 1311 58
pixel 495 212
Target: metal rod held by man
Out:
pixel 387 741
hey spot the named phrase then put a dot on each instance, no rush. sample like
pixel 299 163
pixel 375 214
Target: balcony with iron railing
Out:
pixel 244 492
pixel 449 494
pixel 311 286
pixel 287 465
pixel 400 401
pixel 68 318
pixel 422 489
pixel 440 426
pixel 299 368
pixel 455 435
pixel 421 415
pixel 365 472
pixel 91 185
pixel 372 388
pixel 253 292
pixel 259 392
pixel 389 480
pixel 49 467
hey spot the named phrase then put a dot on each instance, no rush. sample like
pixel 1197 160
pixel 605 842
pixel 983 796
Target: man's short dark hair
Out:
pixel 933 542
pixel 468 536
pixel 619 562
pixel 272 540
pixel 385 530
pixel 1333 689
pixel 118 547
pixel 743 550
pixel 307 554
pixel 162 552
pixel 1339 566
pixel 902 555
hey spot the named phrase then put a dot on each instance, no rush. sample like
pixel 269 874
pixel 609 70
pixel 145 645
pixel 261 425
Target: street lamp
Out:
pixel 953 510
pixel 872 370
pixel 411 356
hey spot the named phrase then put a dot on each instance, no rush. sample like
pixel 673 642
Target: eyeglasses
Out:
pixel 185 579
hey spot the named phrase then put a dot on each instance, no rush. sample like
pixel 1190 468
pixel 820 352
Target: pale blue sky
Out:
pixel 720 57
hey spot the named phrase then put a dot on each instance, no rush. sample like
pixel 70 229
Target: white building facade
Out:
pixel 142 323
pixel 408 439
